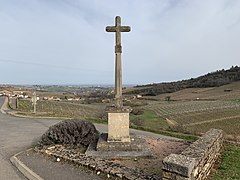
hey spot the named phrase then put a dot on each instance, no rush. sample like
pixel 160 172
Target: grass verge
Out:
pixel 229 168
pixel 149 119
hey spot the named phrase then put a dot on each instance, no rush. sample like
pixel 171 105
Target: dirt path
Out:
pixel 171 122
pixel 213 120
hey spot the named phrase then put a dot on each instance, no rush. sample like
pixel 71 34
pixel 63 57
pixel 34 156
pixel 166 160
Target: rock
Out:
pixel 51 147
pixel 119 175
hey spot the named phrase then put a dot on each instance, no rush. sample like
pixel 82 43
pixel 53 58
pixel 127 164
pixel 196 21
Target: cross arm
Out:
pixel 125 29
pixel 114 29
pixel 111 29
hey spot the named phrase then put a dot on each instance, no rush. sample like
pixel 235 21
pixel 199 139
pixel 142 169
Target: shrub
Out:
pixel 70 132
pixel 137 112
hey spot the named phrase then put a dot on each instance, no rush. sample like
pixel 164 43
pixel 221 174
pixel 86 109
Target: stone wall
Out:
pixel 13 102
pixel 195 162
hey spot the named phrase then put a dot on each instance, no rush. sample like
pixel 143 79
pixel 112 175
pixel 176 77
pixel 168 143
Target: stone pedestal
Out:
pixel 118 127
pixel 117 142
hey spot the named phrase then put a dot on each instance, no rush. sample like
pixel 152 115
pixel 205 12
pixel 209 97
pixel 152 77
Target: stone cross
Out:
pixel 118 62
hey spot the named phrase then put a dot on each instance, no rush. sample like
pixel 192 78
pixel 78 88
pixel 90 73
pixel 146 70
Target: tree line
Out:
pixel 213 79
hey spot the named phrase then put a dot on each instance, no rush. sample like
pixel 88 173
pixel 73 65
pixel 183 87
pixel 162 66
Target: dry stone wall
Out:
pixel 13 102
pixel 195 162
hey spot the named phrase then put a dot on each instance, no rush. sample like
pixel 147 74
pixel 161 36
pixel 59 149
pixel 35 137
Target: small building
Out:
pixel 139 96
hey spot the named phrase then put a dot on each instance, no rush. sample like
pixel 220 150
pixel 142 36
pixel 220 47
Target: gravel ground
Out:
pixel 160 149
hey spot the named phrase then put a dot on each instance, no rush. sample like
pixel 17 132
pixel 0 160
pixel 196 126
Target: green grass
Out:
pixel 25 106
pixel 150 121
pixel 188 137
pixel 97 120
pixel 236 101
pixel 230 164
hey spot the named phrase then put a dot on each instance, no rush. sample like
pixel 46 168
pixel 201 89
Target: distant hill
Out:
pixel 213 79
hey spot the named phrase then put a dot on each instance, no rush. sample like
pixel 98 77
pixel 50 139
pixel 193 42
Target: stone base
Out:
pixel 137 147
pixel 119 139
pixel 118 127
pixel 136 144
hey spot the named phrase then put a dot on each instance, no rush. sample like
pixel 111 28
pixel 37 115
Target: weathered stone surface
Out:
pixel 136 144
pixel 204 152
pixel 114 109
pixel 179 164
pixel 118 127
pixel 136 148
pixel 118 28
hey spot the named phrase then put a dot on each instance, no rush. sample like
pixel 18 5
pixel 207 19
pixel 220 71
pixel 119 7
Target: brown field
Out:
pixel 197 117
pixel 94 112
pixel 213 93
pixel 196 110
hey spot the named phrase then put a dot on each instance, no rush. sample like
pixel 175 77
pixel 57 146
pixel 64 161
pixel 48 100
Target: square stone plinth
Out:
pixel 137 147
pixel 118 127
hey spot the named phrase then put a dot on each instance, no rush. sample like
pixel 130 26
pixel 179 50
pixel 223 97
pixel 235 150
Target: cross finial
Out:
pixel 118 29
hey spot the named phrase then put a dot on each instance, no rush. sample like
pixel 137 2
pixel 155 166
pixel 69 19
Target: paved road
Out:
pixel 17 134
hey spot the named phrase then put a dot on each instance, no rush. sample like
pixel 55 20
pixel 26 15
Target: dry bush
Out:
pixel 70 132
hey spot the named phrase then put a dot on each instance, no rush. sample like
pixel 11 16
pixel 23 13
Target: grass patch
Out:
pixel 95 120
pixel 25 106
pixel 188 137
pixel 236 101
pixel 150 121
pixel 230 164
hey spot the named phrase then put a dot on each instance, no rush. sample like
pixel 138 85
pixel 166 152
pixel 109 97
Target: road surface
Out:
pixel 17 134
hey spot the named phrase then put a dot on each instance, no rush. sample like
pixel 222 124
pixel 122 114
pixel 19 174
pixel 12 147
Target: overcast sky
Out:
pixel 65 42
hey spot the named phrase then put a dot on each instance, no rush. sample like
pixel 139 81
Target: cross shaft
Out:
pixel 118 62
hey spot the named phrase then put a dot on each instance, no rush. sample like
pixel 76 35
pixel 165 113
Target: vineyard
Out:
pixel 63 109
pixel 199 116
pixel 194 117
